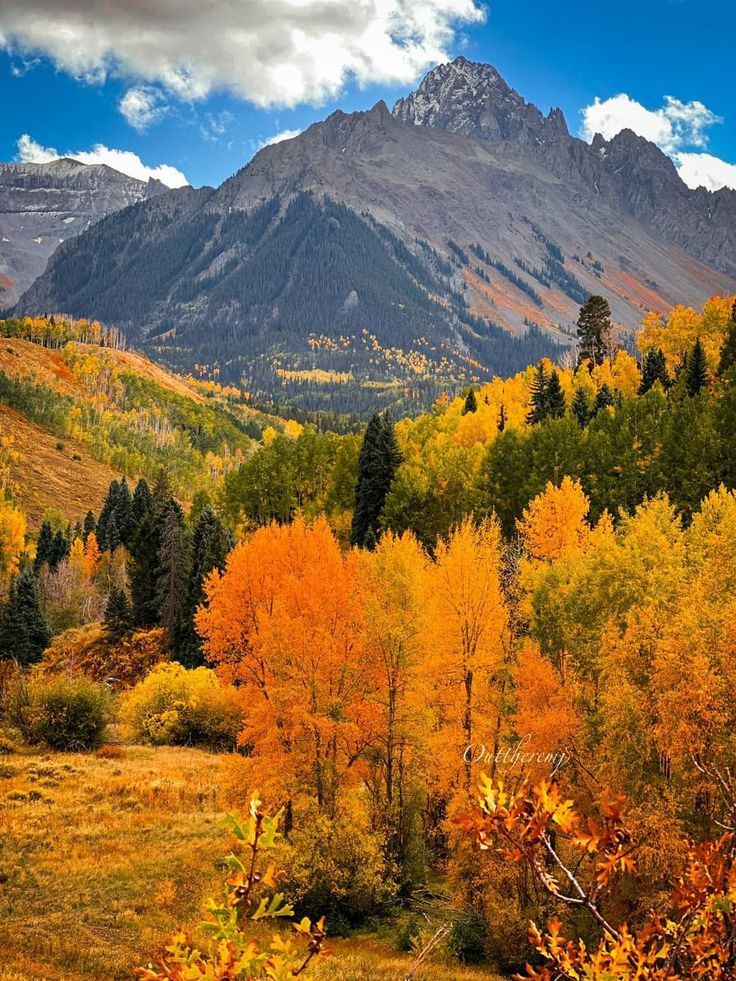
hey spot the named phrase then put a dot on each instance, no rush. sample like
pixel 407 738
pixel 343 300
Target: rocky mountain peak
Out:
pixel 473 99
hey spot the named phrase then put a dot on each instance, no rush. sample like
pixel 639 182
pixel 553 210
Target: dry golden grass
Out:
pixel 45 475
pixel 104 856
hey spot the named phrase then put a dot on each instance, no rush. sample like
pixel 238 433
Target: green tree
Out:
pixel 555 397
pixel 594 331
pixel 538 409
pixel 118 619
pixel 604 399
pixel 379 459
pixel 173 575
pixel 24 632
pixel 89 526
pixel 471 402
pixel 696 376
pixel 653 370
pixel 580 407
pixel 44 546
pixel 210 546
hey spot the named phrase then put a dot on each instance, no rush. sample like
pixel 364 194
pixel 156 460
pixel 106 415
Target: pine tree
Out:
pixel 44 546
pixel 173 577
pixel 378 461
pixel 118 617
pixel 90 525
pixel 580 407
pixel 604 399
pixel 210 546
pixel 696 377
pixel 144 569
pixel 124 513
pixel 555 397
pixel 471 402
pixel 594 331
pixel 728 349
pixel 59 549
pixel 501 425
pixel 24 632
pixel 113 533
pixel 538 396
pixel 654 369
pixel 108 509
pixel 142 504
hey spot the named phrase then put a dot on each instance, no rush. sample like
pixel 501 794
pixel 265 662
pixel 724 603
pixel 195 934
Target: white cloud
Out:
pixel 127 162
pixel 141 106
pixel 271 52
pixel 285 134
pixel 705 170
pixel 673 126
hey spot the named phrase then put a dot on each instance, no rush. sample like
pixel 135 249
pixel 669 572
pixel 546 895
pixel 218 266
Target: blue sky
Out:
pixel 198 91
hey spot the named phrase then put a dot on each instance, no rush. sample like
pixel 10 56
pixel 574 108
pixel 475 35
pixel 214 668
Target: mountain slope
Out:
pixel 397 252
pixel 44 204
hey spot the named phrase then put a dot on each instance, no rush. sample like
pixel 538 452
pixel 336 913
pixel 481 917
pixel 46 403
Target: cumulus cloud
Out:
pixel 673 126
pixel 270 52
pixel 676 127
pixel 141 106
pixel 705 170
pixel 127 162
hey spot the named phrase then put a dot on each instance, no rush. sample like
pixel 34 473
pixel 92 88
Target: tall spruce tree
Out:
pixel 594 331
pixel 210 546
pixel 173 574
pixel 142 503
pixel 145 547
pixel 378 461
pixel 696 376
pixel 89 526
pixel 118 619
pixel 538 396
pixel 604 399
pixel 24 632
pixel 106 513
pixel 44 546
pixel 124 513
pixel 653 370
pixel 580 407
pixel 555 397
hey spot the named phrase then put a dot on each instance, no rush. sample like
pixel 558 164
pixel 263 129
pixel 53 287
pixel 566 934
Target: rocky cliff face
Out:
pixel 42 205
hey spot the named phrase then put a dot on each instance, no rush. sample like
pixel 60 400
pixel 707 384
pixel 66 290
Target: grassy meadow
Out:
pixel 103 856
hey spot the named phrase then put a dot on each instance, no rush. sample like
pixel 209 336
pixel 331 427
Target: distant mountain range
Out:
pixel 42 205
pixel 380 256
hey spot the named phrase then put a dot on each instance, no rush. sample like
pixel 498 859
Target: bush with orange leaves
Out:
pixel 696 939
pixel 228 953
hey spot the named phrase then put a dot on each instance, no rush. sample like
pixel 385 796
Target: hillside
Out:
pixel 44 204
pixel 80 414
pixel 381 253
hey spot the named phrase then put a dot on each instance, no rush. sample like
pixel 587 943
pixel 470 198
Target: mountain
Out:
pixel 42 205
pixel 379 257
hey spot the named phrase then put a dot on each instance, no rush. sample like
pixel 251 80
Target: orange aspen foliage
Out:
pixel 555 522
pixel 12 540
pixel 466 642
pixel 284 623
pixel 92 555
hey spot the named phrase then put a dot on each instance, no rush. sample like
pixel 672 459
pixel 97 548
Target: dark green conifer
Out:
pixel 604 399
pixel 538 396
pixel 24 632
pixel 594 331
pixel 44 546
pixel 696 377
pixel 90 525
pixel 210 546
pixel 378 461
pixel 555 397
pixel 173 573
pixel 118 617
pixel 471 402
pixel 580 407
pixel 653 370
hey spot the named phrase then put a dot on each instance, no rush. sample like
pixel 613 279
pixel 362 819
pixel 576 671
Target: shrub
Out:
pixel 337 866
pixel 62 713
pixel 176 707
pixel 88 651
